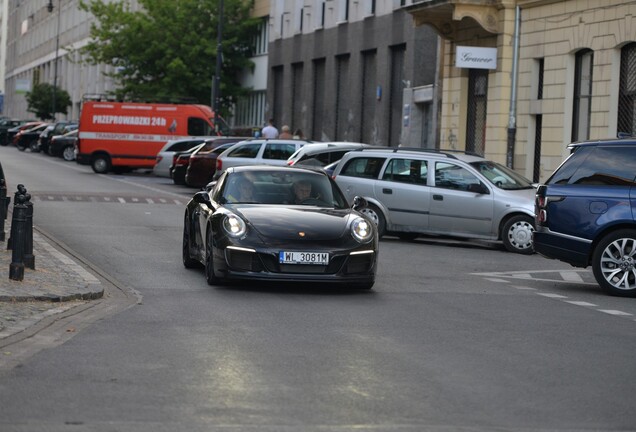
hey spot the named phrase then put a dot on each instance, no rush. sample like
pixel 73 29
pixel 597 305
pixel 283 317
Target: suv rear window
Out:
pixel 614 165
pixel 365 167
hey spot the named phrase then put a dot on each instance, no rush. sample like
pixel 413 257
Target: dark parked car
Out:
pixel 12 132
pixel 59 128
pixel 202 164
pixel 28 138
pixel 180 161
pixel 5 125
pixel 585 213
pixel 64 145
pixel 279 224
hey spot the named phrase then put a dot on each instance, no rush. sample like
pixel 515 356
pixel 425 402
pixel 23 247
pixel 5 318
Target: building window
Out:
pixel 342 97
pixel 250 110
pixel 627 91
pixel 343 10
pixel 477 110
pixel 369 7
pixel 319 13
pixel 261 39
pixel 298 18
pixel 541 67
pixel 297 94
pixel 319 99
pixel 582 95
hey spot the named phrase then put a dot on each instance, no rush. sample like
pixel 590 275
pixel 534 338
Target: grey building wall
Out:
pixel 35 38
pixel 347 83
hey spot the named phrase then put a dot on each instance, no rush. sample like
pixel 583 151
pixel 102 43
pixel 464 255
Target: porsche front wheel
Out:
pixel 210 277
pixel 188 261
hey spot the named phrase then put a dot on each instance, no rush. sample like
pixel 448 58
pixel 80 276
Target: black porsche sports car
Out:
pixel 279 224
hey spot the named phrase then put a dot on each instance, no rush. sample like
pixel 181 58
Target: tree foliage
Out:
pixel 40 101
pixel 166 51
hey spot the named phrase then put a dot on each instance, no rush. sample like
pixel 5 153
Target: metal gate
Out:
pixel 477 110
pixel 396 96
pixel 367 110
pixel 319 99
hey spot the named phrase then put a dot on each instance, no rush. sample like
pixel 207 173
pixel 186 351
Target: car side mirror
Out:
pixel 359 203
pixel 202 197
pixel 479 188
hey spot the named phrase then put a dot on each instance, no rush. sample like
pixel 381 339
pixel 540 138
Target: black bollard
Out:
pixel 18 221
pixel 29 258
pixel 3 208
pixel 21 191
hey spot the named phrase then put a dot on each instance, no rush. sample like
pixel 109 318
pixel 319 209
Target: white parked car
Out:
pixel 258 152
pixel 322 154
pixel 164 157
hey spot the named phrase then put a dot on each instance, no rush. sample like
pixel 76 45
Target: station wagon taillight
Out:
pixel 219 165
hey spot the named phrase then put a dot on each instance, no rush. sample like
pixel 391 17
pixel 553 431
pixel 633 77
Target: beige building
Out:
pixel 523 78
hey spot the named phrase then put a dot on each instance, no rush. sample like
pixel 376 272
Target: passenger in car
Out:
pixel 302 191
pixel 243 191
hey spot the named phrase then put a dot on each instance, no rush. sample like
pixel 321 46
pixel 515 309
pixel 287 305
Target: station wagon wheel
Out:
pixel 517 234
pixel 100 163
pixel 188 261
pixel 33 146
pixel 375 214
pixel 68 154
pixel 614 263
pixel 210 277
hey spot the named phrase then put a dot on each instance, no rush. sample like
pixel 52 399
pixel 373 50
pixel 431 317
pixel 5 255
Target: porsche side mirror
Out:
pixel 202 197
pixel 359 203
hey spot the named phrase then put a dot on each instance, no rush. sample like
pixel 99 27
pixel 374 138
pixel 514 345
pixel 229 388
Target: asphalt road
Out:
pixel 454 335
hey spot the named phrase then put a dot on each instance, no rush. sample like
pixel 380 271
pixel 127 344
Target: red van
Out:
pixel 120 136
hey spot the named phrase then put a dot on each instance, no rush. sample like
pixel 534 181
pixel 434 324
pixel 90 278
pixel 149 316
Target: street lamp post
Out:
pixel 219 66
pixel 57 48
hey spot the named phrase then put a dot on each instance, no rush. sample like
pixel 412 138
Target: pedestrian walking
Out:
pixel 270 130
pixel 285 133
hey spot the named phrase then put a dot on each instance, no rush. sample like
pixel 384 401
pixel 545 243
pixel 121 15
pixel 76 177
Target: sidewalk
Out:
pixel 57 284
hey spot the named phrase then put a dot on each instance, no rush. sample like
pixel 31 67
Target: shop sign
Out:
pixel 476 57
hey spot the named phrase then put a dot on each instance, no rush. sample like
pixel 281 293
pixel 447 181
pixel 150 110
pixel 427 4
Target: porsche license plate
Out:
pixel 320 258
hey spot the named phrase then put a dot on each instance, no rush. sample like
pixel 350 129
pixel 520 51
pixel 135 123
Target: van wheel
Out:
pixel 614 264
pixel 101 163
pixel 375 214
pixel 68 154
pixel 517 234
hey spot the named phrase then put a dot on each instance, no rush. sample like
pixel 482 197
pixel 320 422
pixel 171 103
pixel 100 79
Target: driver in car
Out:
pixel 302 191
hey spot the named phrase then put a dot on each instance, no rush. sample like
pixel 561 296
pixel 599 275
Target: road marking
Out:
pixel 150 201
pixel 524 288
pixel 614 312
pixel 571 276
pixel 497 280
pixel 551 295
pixel 121 200
pixel 581 303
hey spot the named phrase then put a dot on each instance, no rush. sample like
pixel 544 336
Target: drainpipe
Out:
pixel 512 118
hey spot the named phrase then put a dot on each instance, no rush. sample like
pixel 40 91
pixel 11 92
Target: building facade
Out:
pixel 349 70
pixel 38 35
pixel 563 70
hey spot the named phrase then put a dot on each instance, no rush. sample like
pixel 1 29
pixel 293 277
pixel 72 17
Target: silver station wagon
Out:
pixel 412 192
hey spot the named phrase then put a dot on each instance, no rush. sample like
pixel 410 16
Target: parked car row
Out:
pixel 55 139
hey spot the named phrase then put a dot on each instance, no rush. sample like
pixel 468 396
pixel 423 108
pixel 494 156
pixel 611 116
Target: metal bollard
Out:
pixel 16 268
pixel 21 191
pixel 29 258
pixel 3 208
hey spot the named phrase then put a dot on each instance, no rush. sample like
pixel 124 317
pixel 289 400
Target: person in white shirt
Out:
pixel 270 130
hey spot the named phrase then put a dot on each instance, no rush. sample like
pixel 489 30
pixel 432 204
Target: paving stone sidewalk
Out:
pixel 57 284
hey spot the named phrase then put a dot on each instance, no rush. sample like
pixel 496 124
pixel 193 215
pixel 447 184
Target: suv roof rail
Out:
pixel 446 152
pixel 623 135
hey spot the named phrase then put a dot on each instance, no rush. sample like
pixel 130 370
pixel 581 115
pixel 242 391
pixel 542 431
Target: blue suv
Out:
pixel 585 213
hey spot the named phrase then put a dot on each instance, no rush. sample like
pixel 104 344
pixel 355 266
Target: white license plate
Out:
pixel 321 258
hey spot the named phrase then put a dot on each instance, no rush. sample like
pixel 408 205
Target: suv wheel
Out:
pixel 374 213
pixel 614 263
pixel 517 234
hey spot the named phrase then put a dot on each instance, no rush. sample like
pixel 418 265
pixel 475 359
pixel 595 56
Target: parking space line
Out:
pixel 497 280
pixel 524 288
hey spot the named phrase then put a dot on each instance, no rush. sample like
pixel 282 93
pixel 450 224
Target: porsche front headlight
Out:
pixel 361 230
pixel 234 225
